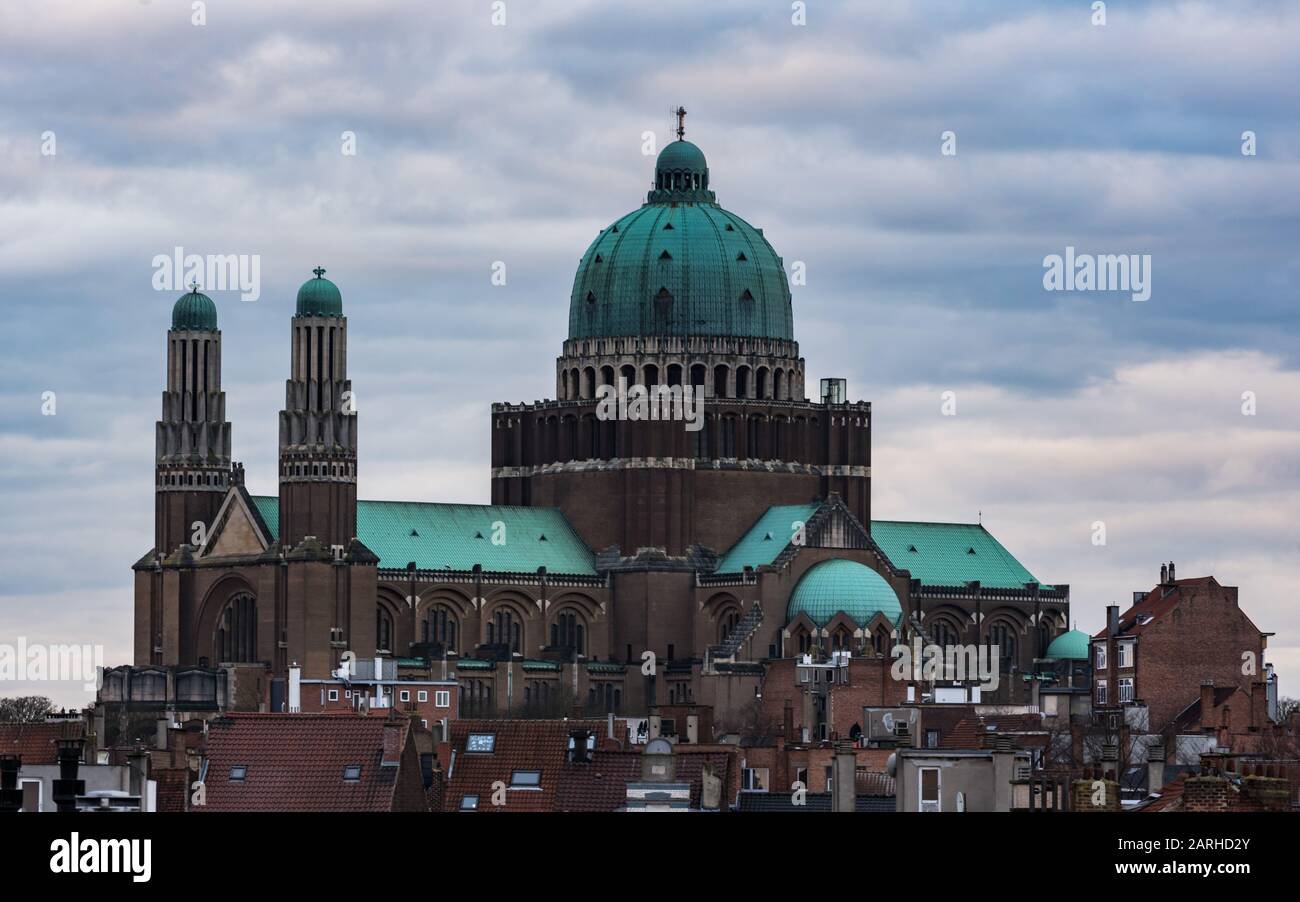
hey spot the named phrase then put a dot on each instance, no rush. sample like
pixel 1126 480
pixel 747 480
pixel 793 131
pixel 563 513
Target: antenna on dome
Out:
pixel 680 113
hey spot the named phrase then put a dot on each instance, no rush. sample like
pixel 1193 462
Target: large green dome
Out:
pixel 1071 646
pixel 194 312
pixel 836 586
pixel 680 265
pixel 319 297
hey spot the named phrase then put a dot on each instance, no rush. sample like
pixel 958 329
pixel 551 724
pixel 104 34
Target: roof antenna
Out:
pixel 979 516
pixel 681 125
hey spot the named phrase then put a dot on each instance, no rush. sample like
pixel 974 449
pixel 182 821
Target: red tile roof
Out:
pixel 971 732
pixel 35 741
pixel 602 784
pixel 1156 604
pixel 540 745
pixel 295 763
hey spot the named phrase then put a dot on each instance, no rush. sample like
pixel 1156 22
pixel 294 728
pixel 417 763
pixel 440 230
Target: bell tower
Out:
pixel 318 426
pixel 192 447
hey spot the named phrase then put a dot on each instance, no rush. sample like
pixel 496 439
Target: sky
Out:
pixel 513 132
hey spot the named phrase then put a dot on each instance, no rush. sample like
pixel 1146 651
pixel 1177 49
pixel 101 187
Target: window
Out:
pixel 932 739
pixel 1126 689
pixel 422 695
pixel 481 742
pixel 31 790
pixel 526 779
pixel 1101 692
pixel 929 786
pixel 469 803
pixel 503 630
pixel 238 773
pixel 383 629
pixel 440 627
pixel 1003 636
pixel 424 724
pixel 334 695
pixel 352 773
pixel 1125 654
pixel 1101 657
pixel 568 632
pixel 236 634
pixel 442 698
pixel 754 779
pixel 405 695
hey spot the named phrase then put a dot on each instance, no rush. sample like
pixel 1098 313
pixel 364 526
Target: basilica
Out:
pixel 624 563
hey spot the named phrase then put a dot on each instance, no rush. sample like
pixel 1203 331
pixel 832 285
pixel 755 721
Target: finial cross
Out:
pixel 194 285
pixel 681 122
pixel 319 271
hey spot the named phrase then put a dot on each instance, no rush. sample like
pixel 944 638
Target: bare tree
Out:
pixel 24 709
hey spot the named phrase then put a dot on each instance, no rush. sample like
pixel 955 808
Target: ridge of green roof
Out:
pixel 766 538
pixel 458 536
pixel 942 555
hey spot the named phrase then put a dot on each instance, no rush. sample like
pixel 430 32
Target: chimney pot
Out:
pixel 1164 574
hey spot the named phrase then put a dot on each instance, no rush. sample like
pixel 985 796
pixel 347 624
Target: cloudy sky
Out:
pixel 478 142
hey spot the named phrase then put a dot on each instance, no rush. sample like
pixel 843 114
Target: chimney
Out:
pixel 68 787
pixel 160 732
pixel 295 688
pixel 393 732
pixel 1155 767
pixel 692 728
pixel 1164 574
pixel 609 725
pixel 1207 704
pixel 710 789
pixel 1004 771
pixel 1258 705
pixel 787 720
pixel 138 769
pixel 1112 619
pixel 1171 572
pixel 844 778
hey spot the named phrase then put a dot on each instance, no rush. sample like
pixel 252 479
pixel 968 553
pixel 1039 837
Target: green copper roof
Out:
pixel 1071 646
pixel 680 265
pixel 765 539
pixel 938 554
pixel 194 312
pixel 319 297
pixel 458 536
pixel 949 554
pixel 838 586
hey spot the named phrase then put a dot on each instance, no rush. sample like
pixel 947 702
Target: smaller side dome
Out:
pixel 1071 646
pixel 194 312
pixel 319 297
pixel 840 586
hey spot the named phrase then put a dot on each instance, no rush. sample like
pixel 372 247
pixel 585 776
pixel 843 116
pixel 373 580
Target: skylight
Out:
pixel 352 773
pixel 481 742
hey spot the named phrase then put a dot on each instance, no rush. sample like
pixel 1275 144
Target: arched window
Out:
pixel 503 629
pixel 761 383
pixel 440 627
pixel 699 376
pixel 778 385
pixel 742 382
pixel 945 634
pixel 1003 636
pixel 383 629
pixel 720 381
pixel 236 636
pixel 651 375
pixel 569 632
pixel 674 374
pixel 589 382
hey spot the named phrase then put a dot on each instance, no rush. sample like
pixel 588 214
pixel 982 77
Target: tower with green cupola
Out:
pixel 192 467
pixel 318 425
